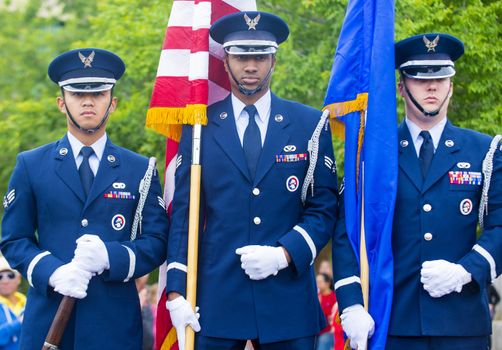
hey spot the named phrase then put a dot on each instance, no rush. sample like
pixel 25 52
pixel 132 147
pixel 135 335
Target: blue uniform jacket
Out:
pixel 46 211
pixel 436 218
pixel 237 211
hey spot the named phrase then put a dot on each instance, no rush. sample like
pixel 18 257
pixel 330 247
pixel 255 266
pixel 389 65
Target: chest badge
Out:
pixel 463 165
pixel 119 185
pixel 292 183
pixel 466 206
pixel 289 148
pixel 465 178
pixel 118 222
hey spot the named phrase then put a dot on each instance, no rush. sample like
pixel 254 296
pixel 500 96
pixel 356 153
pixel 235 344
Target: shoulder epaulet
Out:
pixel 487 172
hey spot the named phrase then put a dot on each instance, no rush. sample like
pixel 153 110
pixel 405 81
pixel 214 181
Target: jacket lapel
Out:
pixel 408 160
pixel 66 167
pixel 108 172
pixel 227 138
pixel 443 159
pixel 275 139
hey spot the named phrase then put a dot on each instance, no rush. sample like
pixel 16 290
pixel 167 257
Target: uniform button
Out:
pixel 427 207
pixel 84 223
pixel 256 191
pixel 428 236
pixel 257 220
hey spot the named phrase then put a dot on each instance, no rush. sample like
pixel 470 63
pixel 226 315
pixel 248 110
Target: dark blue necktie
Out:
pixel 86 174
pixel 426 152
pixel 252 141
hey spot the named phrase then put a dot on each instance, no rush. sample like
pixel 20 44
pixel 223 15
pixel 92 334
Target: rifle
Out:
pixel 59 324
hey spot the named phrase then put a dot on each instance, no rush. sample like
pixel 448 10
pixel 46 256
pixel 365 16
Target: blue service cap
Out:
pixel 428 56
pixel 250 33
pixel 86 70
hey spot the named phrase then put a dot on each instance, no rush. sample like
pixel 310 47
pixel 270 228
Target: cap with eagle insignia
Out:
pixel 428 56
pixel 86 70
pixel 250 33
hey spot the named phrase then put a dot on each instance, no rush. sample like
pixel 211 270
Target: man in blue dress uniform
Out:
pixel 269 204
pixel 449 180
pixel 69 218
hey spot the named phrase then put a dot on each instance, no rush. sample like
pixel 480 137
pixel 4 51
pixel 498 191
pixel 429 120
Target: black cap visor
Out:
pixel 87 87
pixel 428 72
pixel 250 50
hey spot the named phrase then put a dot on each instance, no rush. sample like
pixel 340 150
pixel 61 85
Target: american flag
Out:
pixel 190 77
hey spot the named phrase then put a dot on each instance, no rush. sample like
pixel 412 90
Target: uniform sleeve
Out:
pixel 345 266
pixel 484 261
pixel 132 259
pixel 317 223
pixel 178 236
pixel 19 243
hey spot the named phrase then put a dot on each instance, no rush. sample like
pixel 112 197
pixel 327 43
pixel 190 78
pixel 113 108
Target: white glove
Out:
pixel 91 254
pixel 70 280
pixel 259 261
pixel 358 325
pixel 182 315
pixel 441 277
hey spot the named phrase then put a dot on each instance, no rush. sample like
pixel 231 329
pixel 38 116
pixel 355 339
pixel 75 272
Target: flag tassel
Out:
pixel 168 121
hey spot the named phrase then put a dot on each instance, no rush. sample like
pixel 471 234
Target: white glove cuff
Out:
pixel 174 304
pixel 466 276
pixel 282 262
pixel 352 308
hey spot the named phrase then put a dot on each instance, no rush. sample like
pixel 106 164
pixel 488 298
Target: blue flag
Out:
pixel 362 94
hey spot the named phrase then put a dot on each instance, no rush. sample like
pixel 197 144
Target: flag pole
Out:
pixel 193 229
pixel 363 255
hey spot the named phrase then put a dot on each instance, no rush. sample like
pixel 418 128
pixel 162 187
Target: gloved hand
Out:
pixel 358 325
pixel 91 254
pixel 260 261
pixel 441 277
pixel 70 280
pixel 182 315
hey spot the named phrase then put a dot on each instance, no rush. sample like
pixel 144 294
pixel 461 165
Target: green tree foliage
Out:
pixel 135 30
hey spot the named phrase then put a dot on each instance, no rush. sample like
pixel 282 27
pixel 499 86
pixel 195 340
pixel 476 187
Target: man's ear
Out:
pixel 61 104
pixel 400 87
pixel 113 105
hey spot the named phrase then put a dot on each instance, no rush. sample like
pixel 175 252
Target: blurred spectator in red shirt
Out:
pixel 330 337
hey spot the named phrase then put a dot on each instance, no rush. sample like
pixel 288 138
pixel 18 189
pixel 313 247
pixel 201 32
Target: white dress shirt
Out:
pixel 435 132
pixel 242 118
pixel 98 147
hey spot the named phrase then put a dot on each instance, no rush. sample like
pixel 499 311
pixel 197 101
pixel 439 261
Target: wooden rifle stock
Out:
pixel 59 324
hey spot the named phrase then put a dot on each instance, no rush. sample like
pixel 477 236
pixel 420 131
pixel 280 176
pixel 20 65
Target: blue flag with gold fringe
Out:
pixel 361 94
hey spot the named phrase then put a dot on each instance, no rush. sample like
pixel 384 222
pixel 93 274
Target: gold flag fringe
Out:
pixel 339 109
pixel 168 121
